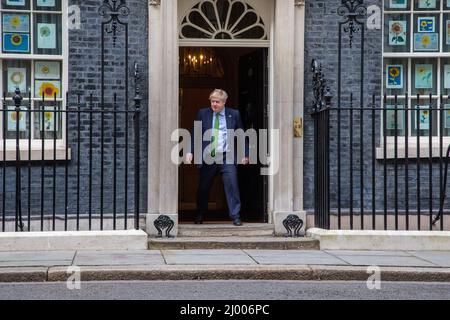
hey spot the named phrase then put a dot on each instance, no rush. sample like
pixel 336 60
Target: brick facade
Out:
pixel 85 79
pixel 321 42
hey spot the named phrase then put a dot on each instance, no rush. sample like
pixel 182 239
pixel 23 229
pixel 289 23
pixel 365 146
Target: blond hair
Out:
pixel 220 94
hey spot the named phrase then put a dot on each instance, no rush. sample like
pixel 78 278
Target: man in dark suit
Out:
pixel 219 120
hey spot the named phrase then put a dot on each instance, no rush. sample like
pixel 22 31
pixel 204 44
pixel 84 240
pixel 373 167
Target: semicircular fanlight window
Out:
pixel 223 20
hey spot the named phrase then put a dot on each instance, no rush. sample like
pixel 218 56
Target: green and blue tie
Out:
pixel 215 138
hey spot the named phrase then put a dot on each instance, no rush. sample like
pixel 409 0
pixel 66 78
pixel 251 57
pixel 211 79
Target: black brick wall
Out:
pixel 322 27
pixel 85 79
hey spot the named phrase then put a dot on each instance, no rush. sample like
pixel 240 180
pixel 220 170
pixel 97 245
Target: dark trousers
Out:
pixel 230 182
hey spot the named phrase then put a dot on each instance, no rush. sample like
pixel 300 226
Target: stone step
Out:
pixel 226 230
pixel 261 243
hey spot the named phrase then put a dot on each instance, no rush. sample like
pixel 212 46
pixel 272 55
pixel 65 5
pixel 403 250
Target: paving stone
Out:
pixel 207 257
pixel 439 258
pixel 368 253
pixel 36 258
pixel 386 261
pixel 297 257
pixel 110 258
pixel 35 263
pixel 36 255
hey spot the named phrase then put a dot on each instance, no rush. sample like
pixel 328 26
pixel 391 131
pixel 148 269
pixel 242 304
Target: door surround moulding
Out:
pixel 163 101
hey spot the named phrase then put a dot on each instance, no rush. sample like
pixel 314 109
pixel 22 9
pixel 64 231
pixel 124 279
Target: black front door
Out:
pixel 253 92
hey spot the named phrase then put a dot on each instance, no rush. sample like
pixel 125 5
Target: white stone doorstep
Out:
pixel 381 240
pixel 73 240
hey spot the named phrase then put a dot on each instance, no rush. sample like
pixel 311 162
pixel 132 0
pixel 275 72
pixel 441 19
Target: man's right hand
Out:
pixel 189 158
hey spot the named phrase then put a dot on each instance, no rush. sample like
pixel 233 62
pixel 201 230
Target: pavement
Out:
pixel 225 264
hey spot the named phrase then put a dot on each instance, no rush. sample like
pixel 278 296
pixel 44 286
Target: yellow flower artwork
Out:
pixel 12 119
pixel 17 79
pixel 15 21
pixel 424 76
pixel 45 70
pixel 48 90
pixel 50 119
pixel 425 40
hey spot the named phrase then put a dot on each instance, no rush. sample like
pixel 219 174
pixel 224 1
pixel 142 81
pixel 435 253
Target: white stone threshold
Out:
pixel 381 240
pixel 73 240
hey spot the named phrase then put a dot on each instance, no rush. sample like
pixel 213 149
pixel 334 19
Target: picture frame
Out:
pixel 424 76
pixel 447 37
pixel 394 76
pixel 427 4
pixel 45 3
pixel 447 116
pixel 47 70
pixel 17 3
pixel 46 36
pixel 426 24
pixel 390 117
pixel 398 4
pixel 12 121
pixel 447 76
pixel 397 33
pixel 424 118
pixel 426 42
pixel 16 42
pixel 17 78
pixel 47 88
pixel 16 22
pixel 49 119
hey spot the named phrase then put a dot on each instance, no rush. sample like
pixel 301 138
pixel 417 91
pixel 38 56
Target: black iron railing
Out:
pixel 321 104
pixel 382 166
pixel 443 189
pixel 78 143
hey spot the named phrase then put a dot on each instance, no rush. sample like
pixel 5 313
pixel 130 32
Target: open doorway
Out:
pixel 242 72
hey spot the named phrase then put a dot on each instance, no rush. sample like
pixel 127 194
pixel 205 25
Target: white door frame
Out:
pixel 285 99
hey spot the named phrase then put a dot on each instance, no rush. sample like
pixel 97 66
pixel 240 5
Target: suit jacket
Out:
pixel 234 122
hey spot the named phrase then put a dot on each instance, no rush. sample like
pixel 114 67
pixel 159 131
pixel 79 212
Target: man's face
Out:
pixel 217 104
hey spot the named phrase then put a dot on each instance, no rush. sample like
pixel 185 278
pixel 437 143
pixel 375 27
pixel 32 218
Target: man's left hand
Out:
pixel 245 161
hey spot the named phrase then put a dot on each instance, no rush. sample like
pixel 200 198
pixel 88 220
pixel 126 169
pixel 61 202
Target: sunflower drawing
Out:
pixel 422 70
pixel 425 41
pixel 48 90
pixel 17 78
pixel 12 119
pixel 48 120
pixel 424 74
pixel 16 39
pixel 45 70
pixel 15 22
pixel 394 72
pixel 45 31
pixel 426 24
pixel 14 116
pixel 397 31
pixel 424 116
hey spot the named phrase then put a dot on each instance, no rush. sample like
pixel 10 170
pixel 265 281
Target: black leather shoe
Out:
pixel 237 222
pixel 198 220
